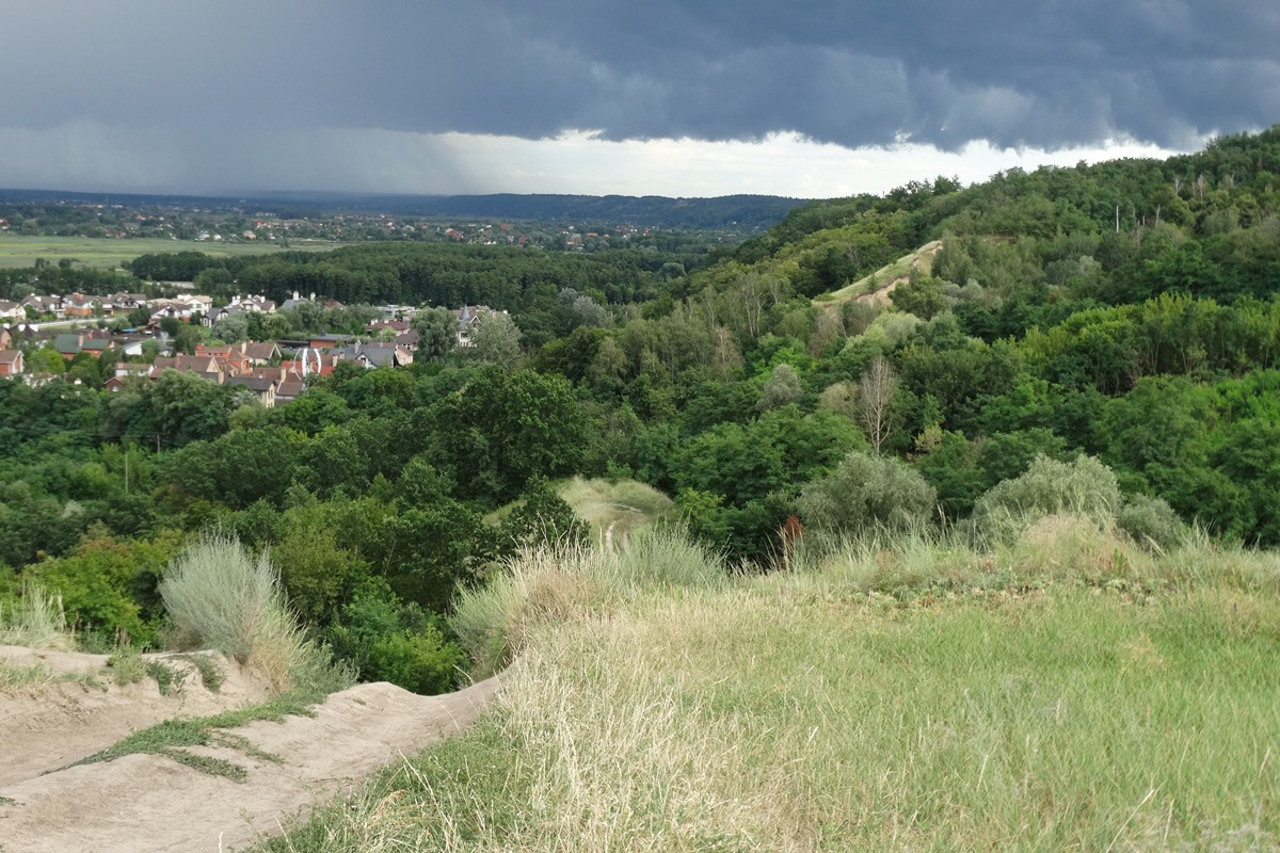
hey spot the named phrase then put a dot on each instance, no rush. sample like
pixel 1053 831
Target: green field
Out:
pixel 103 253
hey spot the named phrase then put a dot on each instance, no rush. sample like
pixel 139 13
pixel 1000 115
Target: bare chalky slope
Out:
pixel 145 802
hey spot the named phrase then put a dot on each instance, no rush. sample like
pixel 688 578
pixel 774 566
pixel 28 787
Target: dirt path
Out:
pixel 151 803
pixel 888 277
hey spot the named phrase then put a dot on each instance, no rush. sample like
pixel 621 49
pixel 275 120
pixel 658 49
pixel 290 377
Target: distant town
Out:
pixel 135 339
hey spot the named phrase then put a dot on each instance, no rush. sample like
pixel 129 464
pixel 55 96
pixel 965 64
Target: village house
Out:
pixel 204 366
pixel 230 357
pixel 262 352
pixel 289 390
pixel 467 316
pixel 71 344
pixel 378 355
pixel 310 362
pixel 11 362
pixel 77 306
pixel 125 302
pixel 125 369
pixel 42 305
pixel 402 333
pixel 333 341
pixel 264 388
pixel 239 305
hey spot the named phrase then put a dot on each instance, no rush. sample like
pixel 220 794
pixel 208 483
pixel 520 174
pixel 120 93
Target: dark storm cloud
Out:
pixel 1049 73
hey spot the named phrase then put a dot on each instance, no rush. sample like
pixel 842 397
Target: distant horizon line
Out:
pixel 276 194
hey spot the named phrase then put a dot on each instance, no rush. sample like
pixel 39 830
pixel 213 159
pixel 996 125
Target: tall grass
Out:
pixel 36 619
pixel 554 583
pixel 1066 689
pixel 615 510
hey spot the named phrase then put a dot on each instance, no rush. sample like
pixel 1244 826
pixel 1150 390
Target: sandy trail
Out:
pixel 151 803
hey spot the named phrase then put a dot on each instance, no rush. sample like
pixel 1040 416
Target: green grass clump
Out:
pixel 127 666
pixel 171 737
pixel 212 676
pixel 169 679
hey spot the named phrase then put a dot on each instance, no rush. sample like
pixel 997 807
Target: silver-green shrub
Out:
pixel 1084 487
pixel 1152 523
pixel 868 493
pixel 222 597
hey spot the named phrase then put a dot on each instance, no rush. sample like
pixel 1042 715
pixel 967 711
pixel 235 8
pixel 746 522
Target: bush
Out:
pixel 868 492
pixel 1151 523
pixel 1084 488
pixel 222 597
pixel 388 640
pixel 106 586
pixel 422 662
pixel 540 517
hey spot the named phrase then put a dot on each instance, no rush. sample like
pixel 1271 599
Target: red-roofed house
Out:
pixel 11 362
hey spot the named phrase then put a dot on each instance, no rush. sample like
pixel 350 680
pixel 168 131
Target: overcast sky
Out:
pixel 809 98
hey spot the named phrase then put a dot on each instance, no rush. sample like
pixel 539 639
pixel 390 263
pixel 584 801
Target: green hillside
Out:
pixel 973 500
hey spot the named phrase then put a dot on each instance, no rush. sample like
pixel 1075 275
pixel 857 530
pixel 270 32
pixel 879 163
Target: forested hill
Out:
pixel 1207 221
pixel 1126 310
pixel 750 213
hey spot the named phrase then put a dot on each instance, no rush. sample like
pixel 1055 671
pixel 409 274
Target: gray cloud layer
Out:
pixel 1046 73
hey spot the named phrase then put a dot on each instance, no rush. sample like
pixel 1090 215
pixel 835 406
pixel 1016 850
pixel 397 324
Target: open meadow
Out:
pixel 17 250
pixel 1068 690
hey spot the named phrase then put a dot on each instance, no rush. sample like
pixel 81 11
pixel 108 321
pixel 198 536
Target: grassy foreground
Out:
pixel 1065 691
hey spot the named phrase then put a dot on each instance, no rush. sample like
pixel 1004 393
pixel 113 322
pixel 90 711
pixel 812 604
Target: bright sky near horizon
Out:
pixel 817 98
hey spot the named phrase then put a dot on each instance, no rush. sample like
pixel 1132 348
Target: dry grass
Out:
pixel 555 584
pixel 15 677
pixel 615 510
pixel 36 620
pixel 1068 690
